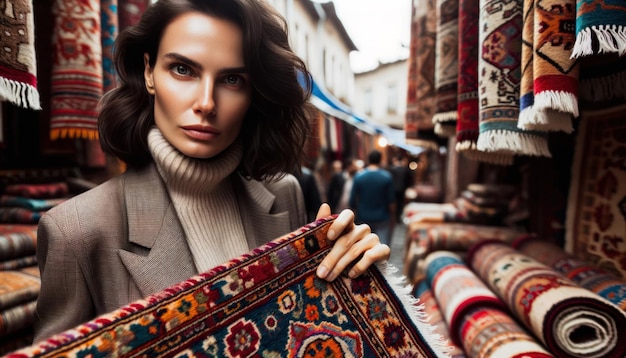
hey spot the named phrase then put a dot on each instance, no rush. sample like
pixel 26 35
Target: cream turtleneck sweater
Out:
pixel 204 200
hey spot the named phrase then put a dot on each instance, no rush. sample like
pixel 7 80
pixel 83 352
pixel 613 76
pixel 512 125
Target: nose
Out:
pixel 205 99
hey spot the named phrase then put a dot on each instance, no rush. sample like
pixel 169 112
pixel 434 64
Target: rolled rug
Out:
pixel 490 332
pixel 477 319
pixel 424 294
pixel 457 289
pixel 582 272
pixel 570 320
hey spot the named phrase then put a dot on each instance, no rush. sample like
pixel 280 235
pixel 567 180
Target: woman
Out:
pixel 208 117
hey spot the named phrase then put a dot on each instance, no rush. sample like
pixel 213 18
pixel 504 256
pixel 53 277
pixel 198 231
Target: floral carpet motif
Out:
pixel 267 303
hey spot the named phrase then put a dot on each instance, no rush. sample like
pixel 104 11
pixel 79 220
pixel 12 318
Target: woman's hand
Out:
pixel 352 241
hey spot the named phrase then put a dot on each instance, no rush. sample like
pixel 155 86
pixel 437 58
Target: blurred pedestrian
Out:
pixel 373 198
pixel 402 179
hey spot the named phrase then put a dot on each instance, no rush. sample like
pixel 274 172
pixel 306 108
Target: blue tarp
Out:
pixel 327 103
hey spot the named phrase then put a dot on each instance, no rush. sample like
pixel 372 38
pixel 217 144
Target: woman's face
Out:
pixel 200 86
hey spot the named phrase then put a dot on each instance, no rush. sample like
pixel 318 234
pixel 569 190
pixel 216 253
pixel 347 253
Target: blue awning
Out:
pixel 327 103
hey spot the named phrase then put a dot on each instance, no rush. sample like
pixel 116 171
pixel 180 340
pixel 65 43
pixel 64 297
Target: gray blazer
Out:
pixel 122 241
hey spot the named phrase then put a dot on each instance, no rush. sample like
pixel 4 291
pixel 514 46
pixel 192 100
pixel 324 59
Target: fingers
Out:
pixel 323 211
pixel 359 247
pixel 342 224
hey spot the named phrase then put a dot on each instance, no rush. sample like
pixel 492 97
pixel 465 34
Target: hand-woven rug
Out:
pixel 427 300
pixel 267 303
pixel 38 191
pixel 499 70
pixel 549 87
pixel 76 79
pixel 467 88
pixel 597 200
pixel 421 78
pixel 583 273
pixel 457 289
pixel 18 63
pixel 446 67
pixel 17 240
pixel 489 332
pixel 600 27
pixel 569 320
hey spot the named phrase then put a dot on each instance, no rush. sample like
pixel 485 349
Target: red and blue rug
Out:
pixel 267 303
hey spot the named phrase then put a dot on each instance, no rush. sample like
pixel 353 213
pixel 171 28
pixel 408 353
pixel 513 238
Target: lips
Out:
pixel 199 132
pixel 201 128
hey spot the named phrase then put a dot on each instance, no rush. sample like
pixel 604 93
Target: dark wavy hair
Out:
pixel 276 125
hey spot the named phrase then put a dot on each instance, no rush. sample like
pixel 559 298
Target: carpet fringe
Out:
pixel 603 88
pixel 611 39
pixel 445 130
pixel 414 308
pixel 513 142
pixel 558 100
pixel 546 119
pixel 21 94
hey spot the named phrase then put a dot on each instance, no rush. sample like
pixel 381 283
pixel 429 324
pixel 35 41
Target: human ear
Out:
pixel 147 74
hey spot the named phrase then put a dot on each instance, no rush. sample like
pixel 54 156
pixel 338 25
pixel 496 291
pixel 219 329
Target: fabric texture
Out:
pixel 136 234
pixel 549 88
pixel 17 240
pixel 263 303
pixel 446 67
pixel 583 273
pixel 490 332
pixel 596 202
pixel 569 320
pixel 76 80
pixel 38 191
pixel 467 102
pixel 421 78
pixel 499 69
pixel 427 299
pixel 18 63
pixel 600 27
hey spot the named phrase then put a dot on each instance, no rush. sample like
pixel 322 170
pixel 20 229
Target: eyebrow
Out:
pixel 192 63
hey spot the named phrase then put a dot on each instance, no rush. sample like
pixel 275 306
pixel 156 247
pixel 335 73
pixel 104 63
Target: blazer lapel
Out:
pixel 255 205
pixel 158 256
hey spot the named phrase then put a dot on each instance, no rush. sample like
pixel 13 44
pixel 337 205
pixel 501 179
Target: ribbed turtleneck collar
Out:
pixel 189 174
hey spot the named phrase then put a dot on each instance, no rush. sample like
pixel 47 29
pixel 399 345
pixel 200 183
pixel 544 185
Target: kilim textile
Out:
pixel 549 89
pixel 17 240
pixel 19 216
pixel 569 320
pixel 446 67
pixel 17 288
pixel 583 273
pixel 17 317
pixel 18 63
pixel 489 332
pixel 421 77
pixel 269 303
pixel 499 69
pixel 18 263
pixel 467 88
pixel 600 27
pixel 597 200
pixel 457 289
pixel 421 241
pixel 38 191
pixel 76 83
pixel 424 294
pixel 29 203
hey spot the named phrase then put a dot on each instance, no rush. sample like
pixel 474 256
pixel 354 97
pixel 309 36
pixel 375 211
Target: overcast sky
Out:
pixel 378 28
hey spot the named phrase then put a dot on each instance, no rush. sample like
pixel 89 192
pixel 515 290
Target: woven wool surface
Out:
pixel 446 67
pixel 269 303
pixel 569 320
pixel 583 273
pixel 18 63
pixel 597 198
pixel 76 80
pixel 424 294
pixel 499 69
pixel 600 27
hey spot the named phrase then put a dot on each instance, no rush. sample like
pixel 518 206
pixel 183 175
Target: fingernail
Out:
pixel 322 272
pixel 352 274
